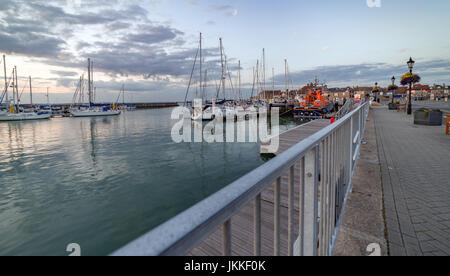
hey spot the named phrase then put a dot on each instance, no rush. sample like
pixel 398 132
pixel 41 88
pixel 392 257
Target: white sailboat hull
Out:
pixel 92 113
pixel 23 117
pixel 205 116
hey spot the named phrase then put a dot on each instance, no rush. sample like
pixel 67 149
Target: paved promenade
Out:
pixel 415 170
pixel 363 223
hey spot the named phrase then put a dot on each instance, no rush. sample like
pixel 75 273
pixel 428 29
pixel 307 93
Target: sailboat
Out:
pixel 14 113
pixel 93 110
pixel 215 109
pixel 208 111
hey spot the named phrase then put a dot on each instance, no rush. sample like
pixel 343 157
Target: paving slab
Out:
pixel 415 165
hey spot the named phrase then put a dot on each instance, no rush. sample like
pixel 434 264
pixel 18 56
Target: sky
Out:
pixel 150 45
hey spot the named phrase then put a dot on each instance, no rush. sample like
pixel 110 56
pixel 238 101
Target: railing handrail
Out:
pixel 185 231
pixel 344 109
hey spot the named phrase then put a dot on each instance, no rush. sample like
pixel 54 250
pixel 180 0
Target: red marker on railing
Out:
pixel 332 121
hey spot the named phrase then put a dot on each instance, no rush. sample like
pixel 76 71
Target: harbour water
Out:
pixel 102 182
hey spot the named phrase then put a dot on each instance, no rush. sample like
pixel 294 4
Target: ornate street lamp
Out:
pixel 410 66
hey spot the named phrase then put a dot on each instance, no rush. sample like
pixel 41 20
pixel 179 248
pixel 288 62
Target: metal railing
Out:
pixel 331 153
pixel 346 108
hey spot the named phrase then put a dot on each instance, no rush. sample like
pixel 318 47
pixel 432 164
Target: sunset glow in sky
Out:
pixel 149 45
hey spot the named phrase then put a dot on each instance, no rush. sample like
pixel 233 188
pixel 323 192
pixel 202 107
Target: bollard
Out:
pixel 447 128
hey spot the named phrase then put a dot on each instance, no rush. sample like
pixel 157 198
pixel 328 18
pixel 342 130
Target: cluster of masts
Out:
pixel 79 95
pixel 259 77
pixel 220 101
pixel 15 112
pixel 13 83
pixel 92 109
pixel 18 112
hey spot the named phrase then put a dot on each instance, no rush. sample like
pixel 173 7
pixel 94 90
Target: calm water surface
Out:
pixel 102 182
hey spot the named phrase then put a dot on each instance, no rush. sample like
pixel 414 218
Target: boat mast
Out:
pixel 92 83
pixel 201 92
pixel 253 87
pixel 6 78
pixel 239 76
pixel 81 91
pixel 264 74
pixel 89 82
pixel 223 69
pixel 48 98
pixel 273 81
pixel 285 75
pixel 205 85
pixel 123 94
pixel 258 81
pixel 31 94
pixel 16 87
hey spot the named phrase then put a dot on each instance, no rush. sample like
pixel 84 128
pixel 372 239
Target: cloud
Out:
pixel 150 34
pixel 227 10
pixel 115 26
pixel 369 73
pixel 119 36
pixel 193 2
pixel 31 44
pixel 120 39
pixel 64 73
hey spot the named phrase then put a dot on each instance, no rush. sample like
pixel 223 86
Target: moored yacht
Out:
pixel 93 110
pixel 23 116
pixel 17 113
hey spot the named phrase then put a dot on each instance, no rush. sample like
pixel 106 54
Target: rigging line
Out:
pixel 205 79
pixel 205 86
pixel 258 80
pixel 120 93
pixel 8 83
pixel 23 89
pixel 190 80
pixel 253 87
pixel 229 76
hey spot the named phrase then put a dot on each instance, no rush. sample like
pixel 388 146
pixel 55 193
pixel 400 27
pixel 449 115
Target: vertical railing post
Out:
pixel 301 211
pixel 310 204
pixel 226 238
pixel 350 142
pixel 321 184
pixel 291 212
pixel 257 226
pixel 276 242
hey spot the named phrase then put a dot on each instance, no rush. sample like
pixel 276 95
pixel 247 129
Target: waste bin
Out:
pixel 428 117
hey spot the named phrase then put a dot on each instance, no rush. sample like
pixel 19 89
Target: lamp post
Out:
pixel 393 91
pixel 411 66
pixel 375 91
